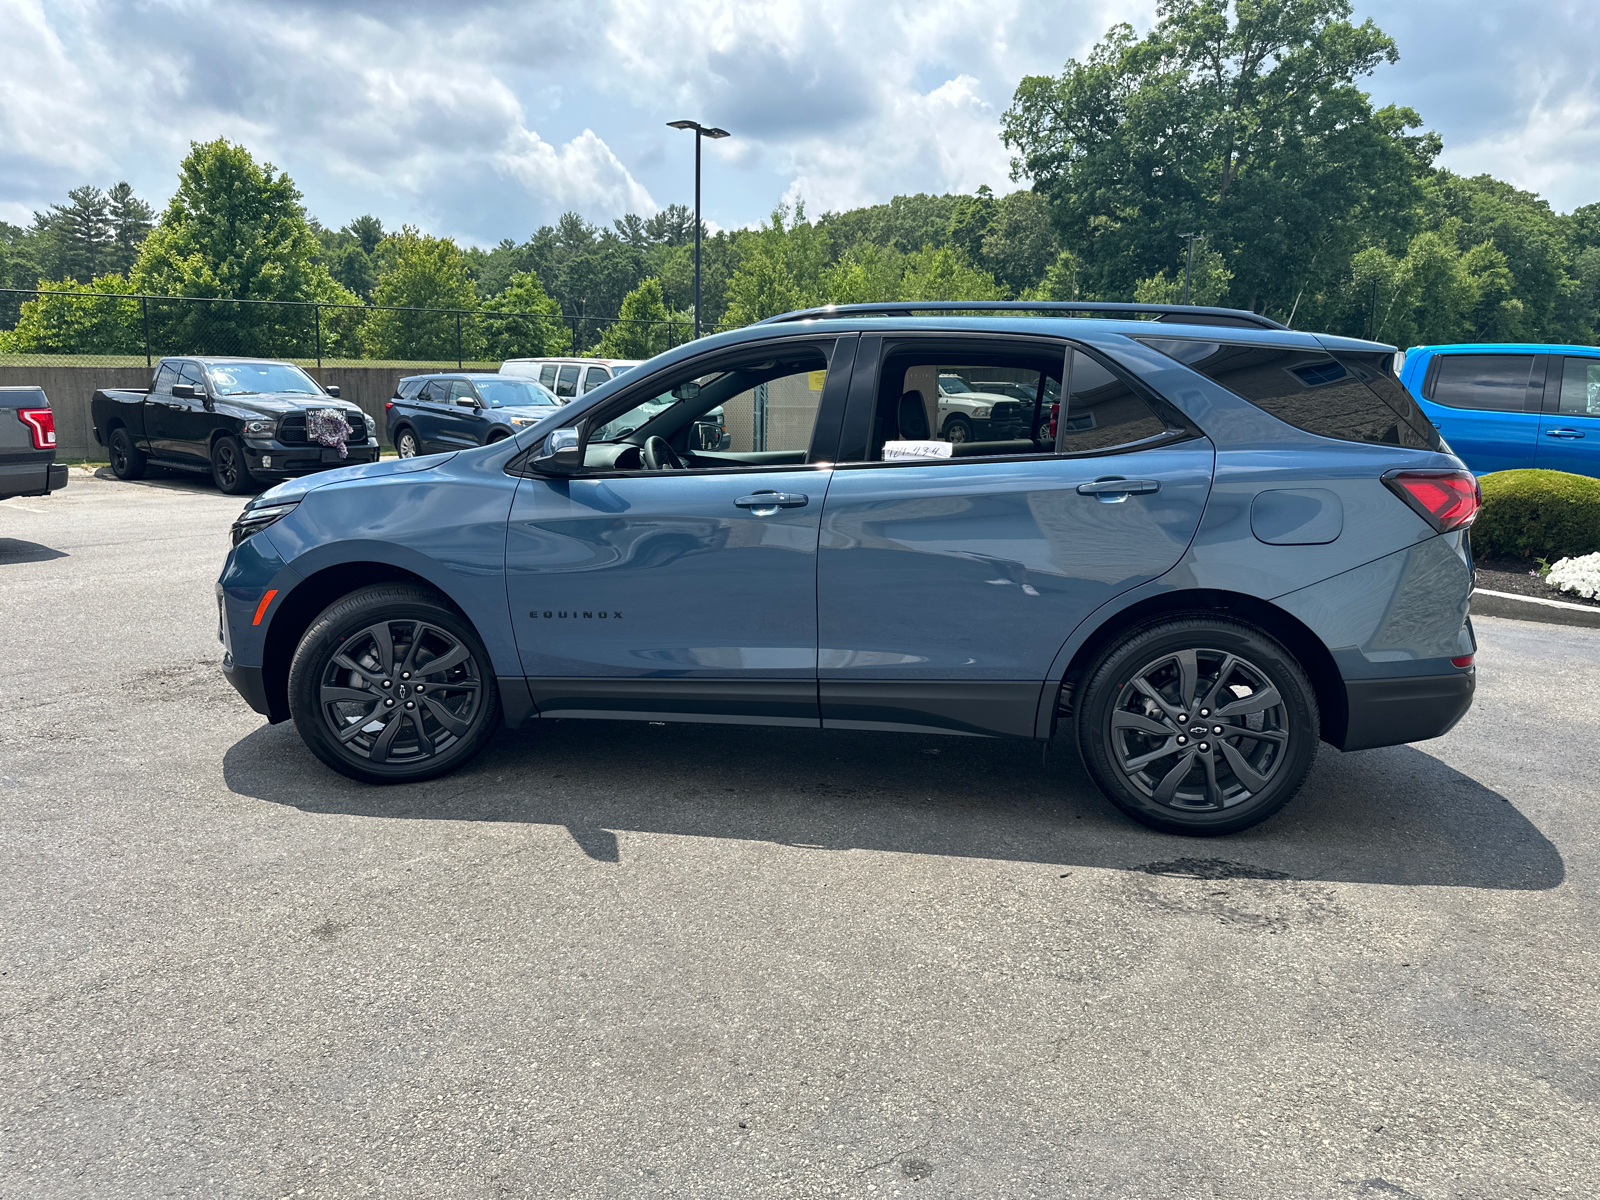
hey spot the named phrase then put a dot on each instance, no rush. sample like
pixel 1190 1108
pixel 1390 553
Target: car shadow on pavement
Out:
pixel 13 550
pixel 168 479
pixel 1395 816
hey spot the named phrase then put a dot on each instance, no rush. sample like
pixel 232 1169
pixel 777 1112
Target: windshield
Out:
pixel 514 393
pixel 250 378
pixel 953 384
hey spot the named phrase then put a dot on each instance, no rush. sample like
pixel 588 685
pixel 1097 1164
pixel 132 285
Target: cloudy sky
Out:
pixel 485 120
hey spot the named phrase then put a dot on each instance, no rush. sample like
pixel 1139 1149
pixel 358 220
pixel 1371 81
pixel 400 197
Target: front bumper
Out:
pixel 1411 708
pixel 275 460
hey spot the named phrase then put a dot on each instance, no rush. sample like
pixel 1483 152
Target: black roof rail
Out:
pixel 1184 313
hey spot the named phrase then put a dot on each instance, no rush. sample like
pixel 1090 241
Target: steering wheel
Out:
pixel 658 456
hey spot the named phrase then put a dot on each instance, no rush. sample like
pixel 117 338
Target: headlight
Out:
pixel 260 428
pixel 254 520
pixel 524 420
pixel 979 414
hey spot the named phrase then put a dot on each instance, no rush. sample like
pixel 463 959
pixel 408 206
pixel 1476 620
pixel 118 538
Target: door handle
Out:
pixel 772 501
pixel 1112 490
pixel 1565 434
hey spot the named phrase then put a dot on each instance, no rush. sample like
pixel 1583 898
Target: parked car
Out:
pixel 28 464
pixel 967 415
pixel 245 421
pixel 568 377
pixel 448 411
pixel 1259 543
pixel 1502 406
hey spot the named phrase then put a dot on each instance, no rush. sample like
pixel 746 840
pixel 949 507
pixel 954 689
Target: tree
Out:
pixel 782 267
pixel 1244 125
pixel 866 274
pixel 235 229
pixel 1060 282
pixel 509 329
pixel 1020 244
pixel 945 274
pixel 76 324
pixel 131 222
pixel 77 235
pixel 645 328
pixel 1208 281
pixel 421 275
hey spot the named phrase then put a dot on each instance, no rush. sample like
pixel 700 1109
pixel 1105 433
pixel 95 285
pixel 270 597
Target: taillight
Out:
pixel 41 422
pixel 1464 660
pixel 1444 499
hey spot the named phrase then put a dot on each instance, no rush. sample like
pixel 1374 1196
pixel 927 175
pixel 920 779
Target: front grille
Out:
pixel 292 429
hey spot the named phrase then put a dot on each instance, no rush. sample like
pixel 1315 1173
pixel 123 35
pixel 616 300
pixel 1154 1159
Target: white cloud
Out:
pixel 584 174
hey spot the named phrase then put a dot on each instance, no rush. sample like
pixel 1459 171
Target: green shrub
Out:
pixel 1537 514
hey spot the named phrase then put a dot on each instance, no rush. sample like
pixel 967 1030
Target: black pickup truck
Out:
pixel 249 422
pixel 28 464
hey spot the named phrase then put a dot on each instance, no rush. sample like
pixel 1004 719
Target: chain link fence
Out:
pixel 62 327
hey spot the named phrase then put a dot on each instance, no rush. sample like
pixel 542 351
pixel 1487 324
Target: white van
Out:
pixel 568 377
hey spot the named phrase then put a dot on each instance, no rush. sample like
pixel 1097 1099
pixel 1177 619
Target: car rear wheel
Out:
pixel 405 444
pixel 1198 725
pixel 392 685
pixel 228 468
pixel 126 460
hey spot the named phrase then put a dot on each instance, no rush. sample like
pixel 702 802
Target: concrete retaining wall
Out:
pixel 70 387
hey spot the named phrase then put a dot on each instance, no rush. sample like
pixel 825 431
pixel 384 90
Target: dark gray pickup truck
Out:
pixel 28 464
pixel 246 422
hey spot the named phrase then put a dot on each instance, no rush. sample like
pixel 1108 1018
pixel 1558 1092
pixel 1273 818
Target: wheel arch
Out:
pixel 1314 657
pixel 297 610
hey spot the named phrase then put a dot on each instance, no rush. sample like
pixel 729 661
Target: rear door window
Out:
pixel 166 376
pixel 594 377
pixel 437 391
pixel 1491 381
pixel 547 375
pixel 567 381
pixel 1344 395
pixel 1580 387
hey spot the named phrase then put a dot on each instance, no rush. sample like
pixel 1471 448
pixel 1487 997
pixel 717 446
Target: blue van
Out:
pixel 1507 405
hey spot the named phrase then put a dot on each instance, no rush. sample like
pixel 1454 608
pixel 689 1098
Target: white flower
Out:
pixel 1578 576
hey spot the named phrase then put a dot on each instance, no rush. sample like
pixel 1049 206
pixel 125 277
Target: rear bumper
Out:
pixel 32 478
pixel 1392 712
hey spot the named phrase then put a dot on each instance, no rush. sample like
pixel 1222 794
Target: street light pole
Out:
pixel 700 131
pixel 1188 269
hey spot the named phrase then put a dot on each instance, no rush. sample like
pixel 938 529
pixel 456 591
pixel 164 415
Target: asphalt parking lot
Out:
pixel 637 961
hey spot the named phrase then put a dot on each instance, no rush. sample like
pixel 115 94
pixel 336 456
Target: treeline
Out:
pixel 1244 134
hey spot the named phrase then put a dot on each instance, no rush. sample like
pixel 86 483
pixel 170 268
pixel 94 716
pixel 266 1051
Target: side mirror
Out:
pixel 333 390
pixel 183 391
pixel 561 454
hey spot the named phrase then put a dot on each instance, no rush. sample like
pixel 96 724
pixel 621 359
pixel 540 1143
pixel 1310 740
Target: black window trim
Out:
pixel 636 391
pixel 1179 427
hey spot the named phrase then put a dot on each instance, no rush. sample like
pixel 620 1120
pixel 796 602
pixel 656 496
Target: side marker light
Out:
pixel 261 609
pixel 1464 661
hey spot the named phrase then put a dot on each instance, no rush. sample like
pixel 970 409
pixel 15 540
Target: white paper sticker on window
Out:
pixel 898 451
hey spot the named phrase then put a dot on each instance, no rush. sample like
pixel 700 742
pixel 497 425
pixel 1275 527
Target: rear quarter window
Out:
pixel 1350 396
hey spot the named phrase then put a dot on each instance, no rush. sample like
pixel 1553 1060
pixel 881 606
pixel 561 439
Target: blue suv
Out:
pixel 1207 543
pixel 432 414
pixel 1502 406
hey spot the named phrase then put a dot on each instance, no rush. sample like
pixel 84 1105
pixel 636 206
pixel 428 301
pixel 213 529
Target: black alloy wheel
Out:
pixel 391 684
pixel 126 461
pixel 1198 725
pixel 405 444
pixel 957 430
pixel 228 467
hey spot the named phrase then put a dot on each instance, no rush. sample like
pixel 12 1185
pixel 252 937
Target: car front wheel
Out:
pixel 392 685
pixel 1198 725
pixel 228 468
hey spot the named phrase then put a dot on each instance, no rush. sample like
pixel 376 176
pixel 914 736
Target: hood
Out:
pixel 275 404
pixel 293 489
pixel 528 412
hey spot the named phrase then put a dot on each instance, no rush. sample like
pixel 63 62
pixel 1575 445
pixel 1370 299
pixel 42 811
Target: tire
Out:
pixel 228 468
pixel 127 462
pixel 1129 726
pixel 406 444
pixel 329 700
pixel 957 430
